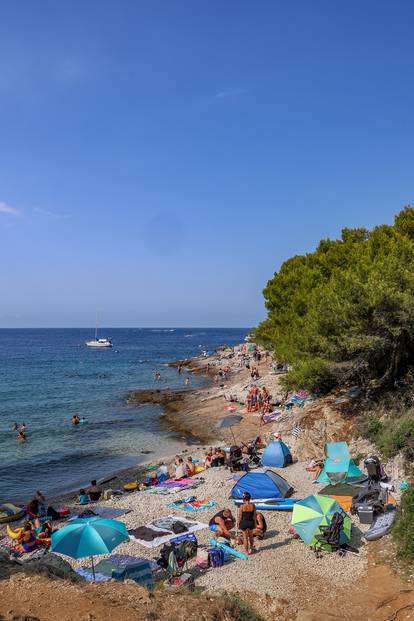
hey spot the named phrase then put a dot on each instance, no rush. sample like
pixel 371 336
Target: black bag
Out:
pixel 367 498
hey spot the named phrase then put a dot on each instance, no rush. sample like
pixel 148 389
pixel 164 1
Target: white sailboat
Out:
pixel 98 342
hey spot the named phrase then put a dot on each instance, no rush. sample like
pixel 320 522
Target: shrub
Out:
pixel 313 375
pixel 403 531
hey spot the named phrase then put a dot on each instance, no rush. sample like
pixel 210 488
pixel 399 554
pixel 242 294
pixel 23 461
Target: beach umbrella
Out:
pixel 88 537
pixel 314 511
pixel 228 422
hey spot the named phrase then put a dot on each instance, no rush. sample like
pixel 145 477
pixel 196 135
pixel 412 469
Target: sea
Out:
pixel 47 375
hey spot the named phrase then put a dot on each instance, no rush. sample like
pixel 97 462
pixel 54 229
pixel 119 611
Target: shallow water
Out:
pixel 46 376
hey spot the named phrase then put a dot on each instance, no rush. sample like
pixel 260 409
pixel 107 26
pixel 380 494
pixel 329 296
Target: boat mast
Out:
pixel 96 327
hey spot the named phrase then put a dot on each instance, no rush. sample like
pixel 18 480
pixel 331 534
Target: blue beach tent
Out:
pixel 262 483
pixel 276 455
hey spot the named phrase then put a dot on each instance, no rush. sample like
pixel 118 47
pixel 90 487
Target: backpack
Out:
pixel 215 557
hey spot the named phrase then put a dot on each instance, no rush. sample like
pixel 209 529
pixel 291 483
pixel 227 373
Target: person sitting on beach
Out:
pixel 45 533
pixel 208 458
pixel 41 498
pixel 190 467
pixel 27 539
pixel 219 458
pixel 32 509
pixel 162 473
pixel 21 437
pixel 83 497
pixel 247 522
pixel 261 526
pixel 187 381
pixel 95 491
pixel 222 523
pixel 180 469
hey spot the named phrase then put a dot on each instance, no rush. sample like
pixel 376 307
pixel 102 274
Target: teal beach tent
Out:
pixel 339 467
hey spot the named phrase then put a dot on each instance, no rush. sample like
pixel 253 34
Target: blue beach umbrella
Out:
pixel 89 536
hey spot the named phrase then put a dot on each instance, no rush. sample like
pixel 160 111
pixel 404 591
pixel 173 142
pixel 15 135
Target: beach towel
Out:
pixel 86 572
pixel 119 561
pixel 191 525
pixel 107 513
pixel 268 418
pixel 192 505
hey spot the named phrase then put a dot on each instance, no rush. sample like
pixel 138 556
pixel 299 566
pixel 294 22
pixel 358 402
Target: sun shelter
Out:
pixel 276 455
pixel 339 467
pixel 262 483
pixel 342 493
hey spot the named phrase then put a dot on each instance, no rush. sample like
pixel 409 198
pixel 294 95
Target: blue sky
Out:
pixel 159 160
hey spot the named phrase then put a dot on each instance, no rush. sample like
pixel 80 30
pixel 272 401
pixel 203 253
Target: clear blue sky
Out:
pixel 159 160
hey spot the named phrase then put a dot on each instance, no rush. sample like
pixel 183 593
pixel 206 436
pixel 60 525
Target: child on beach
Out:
pixel 83 497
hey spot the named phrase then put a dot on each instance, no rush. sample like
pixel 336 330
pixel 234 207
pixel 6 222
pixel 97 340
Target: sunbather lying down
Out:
pixel 222 523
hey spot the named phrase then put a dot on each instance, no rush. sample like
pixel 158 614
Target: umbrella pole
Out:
pixel 93 569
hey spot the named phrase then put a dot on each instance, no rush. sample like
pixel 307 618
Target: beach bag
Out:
pixel 215 557
pixel 202 559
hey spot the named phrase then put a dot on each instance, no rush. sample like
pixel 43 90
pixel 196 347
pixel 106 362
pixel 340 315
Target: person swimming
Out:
pixel 15 427
pixel 22 436
pixel 75 419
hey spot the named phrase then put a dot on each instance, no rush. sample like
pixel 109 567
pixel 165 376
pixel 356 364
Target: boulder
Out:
pixel 53 565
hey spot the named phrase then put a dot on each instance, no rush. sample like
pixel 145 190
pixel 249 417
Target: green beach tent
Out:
pixel 314 511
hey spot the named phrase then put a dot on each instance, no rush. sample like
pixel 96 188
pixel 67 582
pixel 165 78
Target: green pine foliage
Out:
pixel 345 312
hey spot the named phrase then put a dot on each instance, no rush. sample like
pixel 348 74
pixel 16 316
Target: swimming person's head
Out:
pixel 247 497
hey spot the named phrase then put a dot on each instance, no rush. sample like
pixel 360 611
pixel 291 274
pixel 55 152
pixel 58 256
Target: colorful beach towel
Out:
pixel 268 418
pixel 192 505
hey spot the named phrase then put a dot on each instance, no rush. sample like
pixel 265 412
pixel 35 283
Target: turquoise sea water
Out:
pixel 48 375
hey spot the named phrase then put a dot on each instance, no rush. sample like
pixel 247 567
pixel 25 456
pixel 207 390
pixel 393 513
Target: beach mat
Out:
pixel 192 526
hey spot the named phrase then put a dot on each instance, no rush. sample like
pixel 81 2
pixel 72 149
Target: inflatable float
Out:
pixel 131 487
pixel 10 513
pixel 13 534
pixel 381 525
pixel 272 504
pixel 228 549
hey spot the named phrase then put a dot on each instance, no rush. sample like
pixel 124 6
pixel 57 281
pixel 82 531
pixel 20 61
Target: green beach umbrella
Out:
pixel 314 511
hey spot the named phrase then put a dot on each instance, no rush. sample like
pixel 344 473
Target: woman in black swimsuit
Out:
pixel 247 522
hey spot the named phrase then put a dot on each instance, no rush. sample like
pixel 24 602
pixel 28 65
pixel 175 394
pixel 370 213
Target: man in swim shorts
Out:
pixel 222 523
